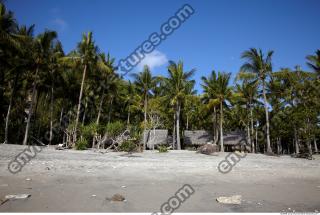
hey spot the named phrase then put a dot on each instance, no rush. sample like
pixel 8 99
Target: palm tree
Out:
pixel 107 75
pixel 130 98
pixel 248 92
pixel 177 85
pixel 88 56
pixel 258 67
pixel 209 99
pixel 56 53
pixel 42 45
pixel 314 61
pixel 19 63
pixel 144 82
pixel 8 43
pixel 217 91
pixel 8 26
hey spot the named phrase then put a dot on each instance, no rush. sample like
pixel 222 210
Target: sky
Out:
pixel 212 38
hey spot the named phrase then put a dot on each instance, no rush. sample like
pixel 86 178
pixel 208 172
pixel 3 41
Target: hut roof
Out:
pixel 234 138
pixel 197 137
pixel 156 137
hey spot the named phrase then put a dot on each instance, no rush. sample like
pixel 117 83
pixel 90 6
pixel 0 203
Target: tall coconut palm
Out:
pixel 88 56
pixel 259 67
pixel 248 92
pixel 209 99
pixel 217 90
pixel 7 44
pixel 42 45
pixel 177 85
pixel 130 97
pixel 56 53
pixel 144 82
pixel 19 65
pixel 106 69
pixel 190 102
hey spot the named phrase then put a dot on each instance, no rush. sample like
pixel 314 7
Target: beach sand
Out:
pixel 82 181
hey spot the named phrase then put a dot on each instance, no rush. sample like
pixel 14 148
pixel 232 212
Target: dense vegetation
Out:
pixel 51 97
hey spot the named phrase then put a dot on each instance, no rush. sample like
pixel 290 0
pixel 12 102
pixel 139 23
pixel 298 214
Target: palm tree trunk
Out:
pixel 278 145
pixel 110 109
pixel 315 145
pixel 79 103
pixel 309 136
pixel 269 150
pixel 7 122
pixel 37 99
pixel 252 130
pixel 51 114
pixel 215 125
pixel 6 130
pixel 84 112
pixel 100 108
pixel 187 122
pixel 296 141
pixel 145 122
pixel 34 89
pixel 128 118
pixel 249 136
pixel 221 127
pixel 178 127
pixel 309 146
pixel 61 115
pixel 256 146
pixel 174 131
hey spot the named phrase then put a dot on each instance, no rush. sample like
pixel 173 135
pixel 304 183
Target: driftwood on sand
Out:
pixel 208 149
pixel 114 142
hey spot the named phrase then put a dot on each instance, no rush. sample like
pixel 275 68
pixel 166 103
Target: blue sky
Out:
pixel 213 38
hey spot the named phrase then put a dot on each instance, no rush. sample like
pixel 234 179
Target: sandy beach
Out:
pixel 82 181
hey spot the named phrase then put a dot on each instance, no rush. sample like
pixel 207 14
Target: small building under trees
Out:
pixel 155 137
pixel 233 141
pixel 197 137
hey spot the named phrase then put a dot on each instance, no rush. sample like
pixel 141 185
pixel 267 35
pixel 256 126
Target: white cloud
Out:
pixel 153 60
pixel 60 23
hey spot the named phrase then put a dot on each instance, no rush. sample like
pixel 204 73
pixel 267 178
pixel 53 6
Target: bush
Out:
pixel 135 132
pixel 82 144
pixel 128 146
pixel 114 129
pixel 88 131
pixel 162 149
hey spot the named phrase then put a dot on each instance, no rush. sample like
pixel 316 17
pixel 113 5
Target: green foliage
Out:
pixel 128 146
pixel 114 129
pixel 88 131
pixel 135 132
pixel 82 144
pixel 162 149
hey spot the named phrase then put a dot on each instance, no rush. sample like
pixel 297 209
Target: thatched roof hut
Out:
pixel 234 138
pixel 156 137
pixel 197 137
